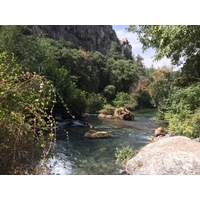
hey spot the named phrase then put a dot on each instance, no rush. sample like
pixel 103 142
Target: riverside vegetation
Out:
pixel 40 77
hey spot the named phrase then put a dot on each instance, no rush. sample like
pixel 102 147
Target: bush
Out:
pixel 77 103
pixel 189 125
pixel 124 154
pixel 95 102
pixel 25 100
pixel 125 100
pixel 161 86
pixel 184 112
pixel 107 110
pixel 109 92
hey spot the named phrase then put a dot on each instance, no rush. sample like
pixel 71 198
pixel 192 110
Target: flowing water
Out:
pixel 77 155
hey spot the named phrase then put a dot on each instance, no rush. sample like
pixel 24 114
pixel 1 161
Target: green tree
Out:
pixel 122 74
pixel 160 89
pixel 180 43
pixel 10 37
pixel 98 61
pixel 95 102
pixel 125 100
pixel 140 66
pixel 109 92
pixel 174 41
pixel 142 93
pixel 116 51
pixel 18 40
pixel 161 85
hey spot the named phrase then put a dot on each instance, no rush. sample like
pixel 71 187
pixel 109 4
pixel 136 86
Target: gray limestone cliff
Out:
pixel 126 48
pixel 89 37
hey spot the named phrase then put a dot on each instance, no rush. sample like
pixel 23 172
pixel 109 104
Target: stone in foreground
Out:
pixel 176 155
pixel 96 134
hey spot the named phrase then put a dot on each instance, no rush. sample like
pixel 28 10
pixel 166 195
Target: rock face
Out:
pixel 126 48
pixel 176 155
pixel 96 134
pixel 90 37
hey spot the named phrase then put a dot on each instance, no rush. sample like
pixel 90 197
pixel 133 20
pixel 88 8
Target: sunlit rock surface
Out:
pixel 176 155
pixel 96 134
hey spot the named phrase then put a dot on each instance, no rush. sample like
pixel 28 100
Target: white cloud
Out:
pixel 137 48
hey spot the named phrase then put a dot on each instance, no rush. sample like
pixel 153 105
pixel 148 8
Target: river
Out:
pixel 76 155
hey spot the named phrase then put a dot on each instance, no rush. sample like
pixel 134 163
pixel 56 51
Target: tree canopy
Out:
pixel 173 41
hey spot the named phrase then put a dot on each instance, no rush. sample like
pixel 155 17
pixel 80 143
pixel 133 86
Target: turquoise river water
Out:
pixel 80 156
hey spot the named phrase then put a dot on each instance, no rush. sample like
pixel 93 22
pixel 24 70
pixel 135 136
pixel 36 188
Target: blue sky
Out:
pixel 137 47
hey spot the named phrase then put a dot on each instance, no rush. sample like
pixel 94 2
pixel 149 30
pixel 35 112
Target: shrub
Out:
pixel 189 125
pixel 124 154
pixel 77 103
pixel 25 100
pixel 95 102
pixel 184 112
pixel 107 110
pixel 109 92
pixel 125 100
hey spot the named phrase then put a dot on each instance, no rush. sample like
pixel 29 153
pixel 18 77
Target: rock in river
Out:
pixel 176 155
pixel 120 113
pixel 159 131
pixel 96 134
pixel 123 113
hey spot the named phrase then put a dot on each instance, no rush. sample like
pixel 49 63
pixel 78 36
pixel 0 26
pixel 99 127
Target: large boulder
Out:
pixel 123 113
pixel 176 155
pixel 96 134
